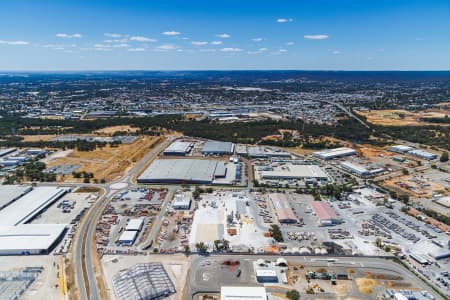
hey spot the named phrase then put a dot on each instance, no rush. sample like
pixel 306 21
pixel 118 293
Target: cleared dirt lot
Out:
pixel 107 162
pixel 111 129
pixel 397 117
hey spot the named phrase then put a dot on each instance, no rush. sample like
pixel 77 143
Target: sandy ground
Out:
pixel 394 117
pixel 36 138
pixel 111 129
pixel 109 162
pixel 45 286
pixel 177 266
pixel 421 188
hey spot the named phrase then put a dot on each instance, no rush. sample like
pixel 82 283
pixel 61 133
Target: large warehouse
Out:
pixel 198 171
pixel 290 171
pixel 178 148
pixel 217 148
pixel 10 193
pixel 326 214
pixel 27 207
pixel 30 239
pixel 334 153
pixel 282 207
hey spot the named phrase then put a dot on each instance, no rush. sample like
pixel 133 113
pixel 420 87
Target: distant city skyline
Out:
pixel 52 35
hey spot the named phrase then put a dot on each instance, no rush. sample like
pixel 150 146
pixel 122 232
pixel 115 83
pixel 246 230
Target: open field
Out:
pixel 111 129
pixel 416 186
pixel 397 117
pixel 37 138
pixel 107 162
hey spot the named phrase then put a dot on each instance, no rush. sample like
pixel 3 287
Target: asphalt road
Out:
pixel 84 243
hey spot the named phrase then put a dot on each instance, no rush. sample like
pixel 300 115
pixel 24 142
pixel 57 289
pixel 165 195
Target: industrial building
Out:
pixel 178 148
pixel 414 152
pixel 19 206
pixel 423 154
pixel 400 148
pixel 334 153
pixel 282 207
pixel 143 281
pixel 27 207
pixel 181 202
pixel 326 214
pixel 10 193
pixel 264 152
pixel 444 201
pixel 135 224
pixel 196 171
pixel 294 172
pixel 7 151
pixel 243 292
pixel 266 276
pixel 360 170
pixel 128 237
pixel 217 148
pixel 30 239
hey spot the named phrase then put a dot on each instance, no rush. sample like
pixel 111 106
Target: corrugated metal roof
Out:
pixel 323 210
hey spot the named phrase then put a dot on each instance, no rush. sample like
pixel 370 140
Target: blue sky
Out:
pixel 189 34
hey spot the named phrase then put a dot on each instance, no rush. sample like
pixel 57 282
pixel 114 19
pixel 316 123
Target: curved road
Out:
pixel 84 243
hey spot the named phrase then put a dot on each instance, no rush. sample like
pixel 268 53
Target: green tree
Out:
pixel 293 295
pixel 444 157
pixel 276 233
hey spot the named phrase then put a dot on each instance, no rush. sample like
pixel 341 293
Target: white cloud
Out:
pixel 257 40
pixel 231 49
pixel 69 36
pixel 199 43
pixel 283 20
pixel 167 47
pixel 113 35
pixel 142 39
pixel 123 40
pixel 123 45
pixel 216 43
pixel 260 50
pixel 14 43
pixel 171 33
pixel 290 44
pixel 282 50
pixel 316 36
pixel 223 35
pixel 336 52
pixel 208 50
pixel 136 49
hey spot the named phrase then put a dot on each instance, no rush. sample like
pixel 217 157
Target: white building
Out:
pixel 334 153
pixel 30 239
pixel 242 292
pixel 135 224
pixel 128 237
pixel 181 202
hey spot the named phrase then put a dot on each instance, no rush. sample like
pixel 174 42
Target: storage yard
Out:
pixel 127 221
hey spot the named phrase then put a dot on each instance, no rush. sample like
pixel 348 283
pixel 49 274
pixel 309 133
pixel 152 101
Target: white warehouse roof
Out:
pixel 334 153
pixel 128 236
pixel 178 147
pixel 9 193
pixel 135 224
pixel 28 206
pixel 242 293
pixel 29 238
pixel 179 170
pixel 295 172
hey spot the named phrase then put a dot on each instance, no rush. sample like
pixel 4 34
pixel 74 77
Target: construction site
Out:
pixel 105 164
